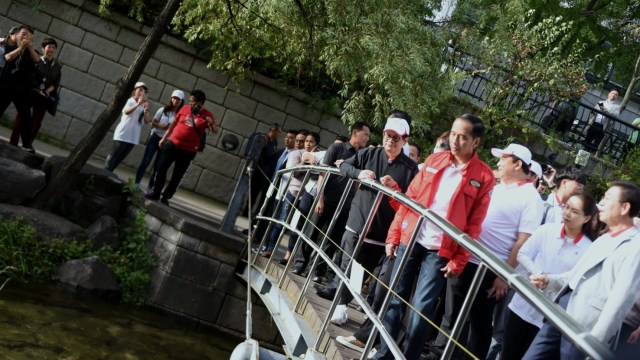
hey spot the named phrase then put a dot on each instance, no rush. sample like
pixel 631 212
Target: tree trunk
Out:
pixel 632 85
pixel 59 185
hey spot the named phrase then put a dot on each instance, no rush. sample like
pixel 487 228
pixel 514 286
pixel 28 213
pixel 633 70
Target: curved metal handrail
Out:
pixel 575 332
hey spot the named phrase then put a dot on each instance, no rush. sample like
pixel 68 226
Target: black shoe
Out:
pixel 318 286
pixel 29 149
pixel 164 201
pixel 325 293
pixel 152 196
pixel 298 271
pixel 283 261
pixel 317 279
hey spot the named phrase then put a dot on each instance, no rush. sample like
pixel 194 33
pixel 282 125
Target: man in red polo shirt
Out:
pixel 180 144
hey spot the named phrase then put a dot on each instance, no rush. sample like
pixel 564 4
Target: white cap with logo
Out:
pixel 178 93
pixel 397 125
pixel 516 150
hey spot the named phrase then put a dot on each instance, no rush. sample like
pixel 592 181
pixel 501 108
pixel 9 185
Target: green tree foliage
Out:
pixel 376 55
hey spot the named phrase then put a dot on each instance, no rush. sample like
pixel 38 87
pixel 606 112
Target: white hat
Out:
pixel 178 93
pixel 536 168
pixel 141 84
pixel 514 150
pixel 397 125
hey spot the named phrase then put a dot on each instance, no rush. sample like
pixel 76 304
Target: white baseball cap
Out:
pixel 141 84
pixel 397 125
pixel 517 150
pixel 178 93
pixel 536 168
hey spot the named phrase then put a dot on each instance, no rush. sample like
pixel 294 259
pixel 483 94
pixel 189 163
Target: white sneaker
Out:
pixel 351 342
pixel 372 353
pixel 340 316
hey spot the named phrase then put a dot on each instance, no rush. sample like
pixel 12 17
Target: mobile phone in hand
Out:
pixel 145 96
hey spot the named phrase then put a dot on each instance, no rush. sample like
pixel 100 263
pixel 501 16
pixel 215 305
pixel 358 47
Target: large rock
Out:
pixel 48 226
pixel 19 182
pixel 104 231
pixel 89 273
pixel 95 192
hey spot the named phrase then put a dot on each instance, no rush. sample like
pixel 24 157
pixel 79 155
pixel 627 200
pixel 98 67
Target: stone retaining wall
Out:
pixel 194 276
pixel 96 51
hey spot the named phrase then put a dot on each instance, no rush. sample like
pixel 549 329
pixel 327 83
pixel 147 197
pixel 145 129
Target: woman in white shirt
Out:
pixel 160 123
pixel 552 248
pixel 134 115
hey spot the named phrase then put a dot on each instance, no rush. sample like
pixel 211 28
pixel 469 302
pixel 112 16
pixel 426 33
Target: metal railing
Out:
pixel 571 329
pixel 538 110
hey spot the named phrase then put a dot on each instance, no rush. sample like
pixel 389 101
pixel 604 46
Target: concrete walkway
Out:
pixel 187 202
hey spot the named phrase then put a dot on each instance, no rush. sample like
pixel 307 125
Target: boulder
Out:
pixel 19 182
pixel 89 273
pixel 104 231
pixel 48 226
pixel 8 151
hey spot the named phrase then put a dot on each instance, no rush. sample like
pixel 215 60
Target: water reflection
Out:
pixel 45 322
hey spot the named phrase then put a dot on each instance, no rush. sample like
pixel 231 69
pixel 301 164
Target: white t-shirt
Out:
pixel 163 119
pixel 129 128
pixel 554 214
pixel 549 251
pixel 515 208
pixel 430 236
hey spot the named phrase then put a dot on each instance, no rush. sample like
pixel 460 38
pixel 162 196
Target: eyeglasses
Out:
pixel 395 138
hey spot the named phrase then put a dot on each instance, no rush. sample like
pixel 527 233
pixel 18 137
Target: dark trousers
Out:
pixel 335 236
pixel 39 110
pixel 119 152
pixel 171 154
pixel 304 205
pixel 518 336
pixel 476 334
pixel 22 101
pixel 626 351
pixel 595 133
pixel 153 146
pixel 384 276
pixel 259 185
pixel 549 344
pixel 369 256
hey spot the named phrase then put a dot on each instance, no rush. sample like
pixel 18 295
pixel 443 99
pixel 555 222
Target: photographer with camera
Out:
pixel 180 144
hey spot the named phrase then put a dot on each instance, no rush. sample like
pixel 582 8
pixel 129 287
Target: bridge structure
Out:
pixel 303 318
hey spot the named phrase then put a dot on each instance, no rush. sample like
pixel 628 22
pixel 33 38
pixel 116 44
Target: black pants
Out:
pixel 518 335
pixel 171 154
pixel 119 152
pixel 335 236
pixel 595 133
pixel 477 332
pixel 384 275
pixel 22 101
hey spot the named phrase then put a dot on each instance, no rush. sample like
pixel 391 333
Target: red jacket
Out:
pixel 467 209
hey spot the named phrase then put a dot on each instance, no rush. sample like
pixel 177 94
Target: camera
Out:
pixel 546 169
pixel 195 109
pixel 601 103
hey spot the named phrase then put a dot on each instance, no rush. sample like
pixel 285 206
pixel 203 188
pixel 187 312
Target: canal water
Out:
pixel 48 322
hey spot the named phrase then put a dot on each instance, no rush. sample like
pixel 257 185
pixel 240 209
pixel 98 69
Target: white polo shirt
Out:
pixel 549 251
pixel 513 209
pixel 554 214
pixel 430 236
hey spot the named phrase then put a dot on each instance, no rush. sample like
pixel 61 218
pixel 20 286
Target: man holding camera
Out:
pixel 180 144
pixel 598 121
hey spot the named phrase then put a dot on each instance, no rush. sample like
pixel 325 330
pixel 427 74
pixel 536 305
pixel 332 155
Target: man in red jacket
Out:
pixel 454 184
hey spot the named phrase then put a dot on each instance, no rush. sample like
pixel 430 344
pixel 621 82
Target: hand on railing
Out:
pixel 540 281
pixel 366 174
pixel 388 181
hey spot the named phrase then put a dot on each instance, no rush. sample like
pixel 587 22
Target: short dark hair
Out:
pixel 358 126
pixel 630 193
pixel 411 143
pixel 304 132
pixel 315 136
pixel 342 138
pixel 478 126
pixel 525 166
pixel 291 131
pixel 26 27
pixel 49 41
pixel 401 115
pixel 275 126
pixel 571 173
pixel 199 96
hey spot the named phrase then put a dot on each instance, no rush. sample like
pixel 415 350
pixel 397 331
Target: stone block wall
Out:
pixel 96 51
pixel 195 275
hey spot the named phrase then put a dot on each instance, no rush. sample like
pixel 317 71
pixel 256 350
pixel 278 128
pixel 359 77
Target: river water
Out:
pixel 47 322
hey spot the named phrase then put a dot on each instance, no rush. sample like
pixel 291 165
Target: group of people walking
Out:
pixel 586 254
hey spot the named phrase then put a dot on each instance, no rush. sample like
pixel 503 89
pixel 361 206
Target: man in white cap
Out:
pixel 515 211
pixel 127 134
pixel 393 169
